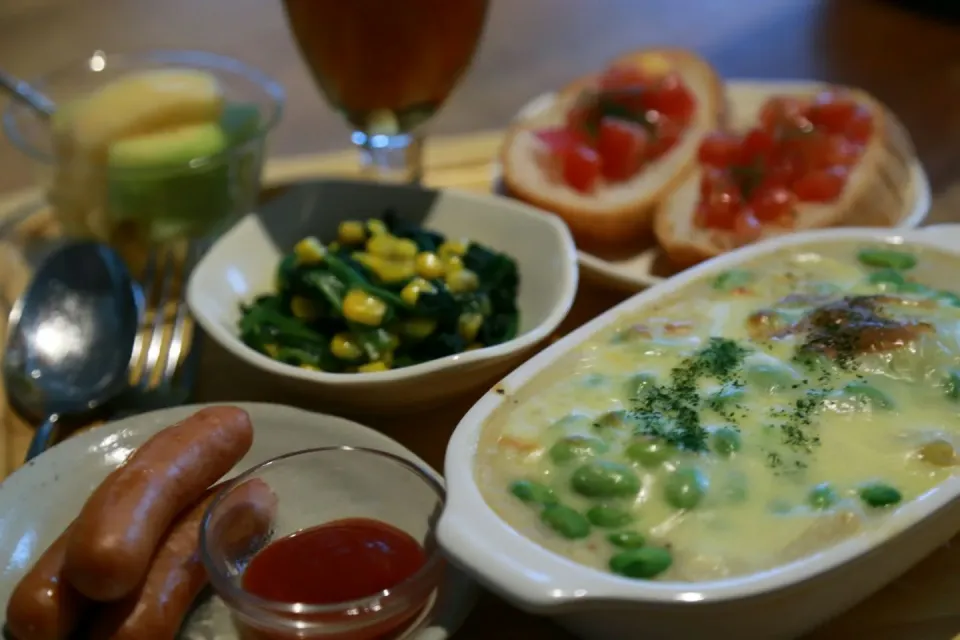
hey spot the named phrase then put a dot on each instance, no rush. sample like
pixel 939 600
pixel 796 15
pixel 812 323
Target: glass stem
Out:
pixel 390 158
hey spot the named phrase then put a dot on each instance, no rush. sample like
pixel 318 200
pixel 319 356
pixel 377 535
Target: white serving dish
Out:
pixel 39 500
pixel 242 263
pixel 744 97
pixel 781 603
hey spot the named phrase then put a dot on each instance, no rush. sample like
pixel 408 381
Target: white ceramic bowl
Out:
pixel 242 264
pixel 781 603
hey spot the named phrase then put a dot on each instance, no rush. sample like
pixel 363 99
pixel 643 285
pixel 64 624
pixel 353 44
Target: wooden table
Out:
pixel 910 62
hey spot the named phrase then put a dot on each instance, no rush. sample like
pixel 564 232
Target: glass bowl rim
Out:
pixel 235 595
pixel 191 58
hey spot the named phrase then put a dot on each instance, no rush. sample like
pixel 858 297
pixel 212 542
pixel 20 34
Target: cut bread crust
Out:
pixel 622 212
pixel 877 194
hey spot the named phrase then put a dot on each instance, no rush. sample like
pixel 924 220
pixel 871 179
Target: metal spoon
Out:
pixel 27 94
pixel 70 337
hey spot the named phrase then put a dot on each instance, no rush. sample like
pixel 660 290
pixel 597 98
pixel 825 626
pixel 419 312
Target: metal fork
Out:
pixel 165 356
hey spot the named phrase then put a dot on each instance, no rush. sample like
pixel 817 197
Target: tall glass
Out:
pixel 387 66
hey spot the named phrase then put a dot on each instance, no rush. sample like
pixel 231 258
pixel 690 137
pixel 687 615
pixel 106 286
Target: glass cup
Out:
pixel 313 487
pixel 146 204
pixel 387 66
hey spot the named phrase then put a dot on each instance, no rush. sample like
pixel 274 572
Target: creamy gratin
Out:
pixel 750 420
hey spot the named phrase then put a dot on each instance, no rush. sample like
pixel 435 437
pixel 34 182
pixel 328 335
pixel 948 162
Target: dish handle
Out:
pixel 946 236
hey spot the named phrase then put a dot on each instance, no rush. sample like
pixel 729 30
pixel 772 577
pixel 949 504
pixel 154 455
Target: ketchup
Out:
pixel 337 562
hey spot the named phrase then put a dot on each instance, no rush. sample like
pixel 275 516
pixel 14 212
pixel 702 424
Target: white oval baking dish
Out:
pixel 781 603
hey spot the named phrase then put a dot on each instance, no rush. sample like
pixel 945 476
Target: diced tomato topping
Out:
pixel 823 151
pixel 581 168
pixel 671 98
pixel 720 208
pixel 832 114
pixel 860 127
pixel 666 134
pixel 714 179
pixel 746 227
pixel 803 151
pixel 720 150
pixel 824 185
pixel 757 146
pixel 782 111
pixel 621 145
pixel 772 204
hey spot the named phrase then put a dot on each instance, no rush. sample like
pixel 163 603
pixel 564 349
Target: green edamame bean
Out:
pixel 951 385
pixel 603 479
pixel 643 563
pixel 685 487
pixel 913 287
pixel 733 279
pixel 568 522
pixel 576 447
pixel 948 297
pixel 638 383
pixel 879 494
pixel 887 258
pixel 533 492
pixel 822 496
pixel 574 420
pixel 868 395
pixel 627 539
pixel 618 420
pixel 726 441
pixel 607 516
pixel 594 380
pixel 890 277
pixel 648 451
pixel 772 377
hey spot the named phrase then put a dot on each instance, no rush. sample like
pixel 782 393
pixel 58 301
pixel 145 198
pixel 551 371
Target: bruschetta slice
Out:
pixel 613 144
pixel 811 160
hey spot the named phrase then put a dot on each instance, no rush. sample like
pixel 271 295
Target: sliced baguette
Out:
pixel 622 212
pixel 878 192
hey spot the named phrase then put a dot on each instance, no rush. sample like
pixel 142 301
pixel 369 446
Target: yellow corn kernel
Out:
pixel 405 248
pixel 473 346
pixel 451 264
pixel 371 367
pixel 309 251
pixel 271 349
pixel 462 281
pixel 429 265
pixel 303 308
pixel 411 293
pixel 387 270
pixel 376 227
pixel 452 248
pixel 468 326
pixel 351 232
pixel 344 347
pixel 363 308
pixel 418 328
pixel 381 245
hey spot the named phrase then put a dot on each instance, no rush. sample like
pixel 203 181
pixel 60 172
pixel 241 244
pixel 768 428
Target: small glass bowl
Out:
pixel 148 206
pixel 313 487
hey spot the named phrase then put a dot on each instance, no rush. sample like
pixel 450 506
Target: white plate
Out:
pixel 638 271
pixel 39 500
